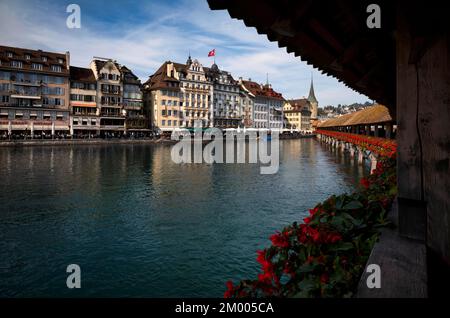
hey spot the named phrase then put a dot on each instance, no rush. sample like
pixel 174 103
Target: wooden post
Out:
pixel 360 155
pixel 373 162
pixel 352 150
pixel 423 135
pixel 388 130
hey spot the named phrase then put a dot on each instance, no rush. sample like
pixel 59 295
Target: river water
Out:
pixel 139 225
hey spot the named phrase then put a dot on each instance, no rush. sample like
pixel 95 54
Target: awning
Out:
pixel 80 104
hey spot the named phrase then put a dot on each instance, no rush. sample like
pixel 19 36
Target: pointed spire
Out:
pixel 189 60
pixel 312 97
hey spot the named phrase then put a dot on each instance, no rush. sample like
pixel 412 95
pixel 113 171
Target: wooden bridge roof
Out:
pixel 371 115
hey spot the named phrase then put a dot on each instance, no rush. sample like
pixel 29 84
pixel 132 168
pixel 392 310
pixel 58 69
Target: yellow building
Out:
pixel 177 95
pixel 297 114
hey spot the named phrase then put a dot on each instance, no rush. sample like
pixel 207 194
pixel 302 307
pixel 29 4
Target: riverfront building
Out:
pixel 227 106
pixel 297 113
pixel 162 97
pixel 247 100
pixel 179 94
pixel 34 92
pixel 84 119
pixel 133 104
pixel 268 105
pixel 196 94
pixel 109 96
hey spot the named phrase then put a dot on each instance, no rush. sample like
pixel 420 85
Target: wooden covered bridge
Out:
pixel 361 133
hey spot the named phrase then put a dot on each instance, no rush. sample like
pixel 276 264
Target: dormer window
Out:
pixel 27 56
pixel 9 54
pixel 60 61
pixel 44 58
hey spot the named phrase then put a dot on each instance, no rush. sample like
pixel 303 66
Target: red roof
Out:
pixel 262 90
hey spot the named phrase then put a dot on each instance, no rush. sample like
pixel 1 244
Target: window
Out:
pixel 36 66
pixel 174 122
pixel 27 56
pixel 44 58
pixel 56 68
pixel 163 122
pixel 9 54
pixel 169 123
pixel 16 64
pixel 60 61
pixel 163 112
pixel 5 99
pixel 169 112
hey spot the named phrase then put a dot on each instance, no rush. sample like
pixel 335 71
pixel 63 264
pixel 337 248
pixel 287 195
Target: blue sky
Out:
pixel 144 34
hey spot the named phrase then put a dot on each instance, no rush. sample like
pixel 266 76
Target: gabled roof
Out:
pixel 262 90
pixel 160 79
pixel 129 76
pixel 99 64
pixel 298 105
pixel 81 74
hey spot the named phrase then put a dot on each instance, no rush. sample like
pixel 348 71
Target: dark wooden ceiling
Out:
pixel 332 36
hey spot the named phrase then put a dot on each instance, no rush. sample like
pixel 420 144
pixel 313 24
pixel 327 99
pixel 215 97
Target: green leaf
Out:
pixel 353 205
pixel 339 202
pixel 343 246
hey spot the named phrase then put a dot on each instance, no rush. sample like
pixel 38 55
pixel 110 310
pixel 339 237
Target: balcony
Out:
pixel 25 94
pixel 132 107
pixel 112 115
pixel 116 105
pixel 27 83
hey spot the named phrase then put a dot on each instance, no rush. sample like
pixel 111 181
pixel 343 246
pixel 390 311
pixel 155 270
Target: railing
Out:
pixel 380 146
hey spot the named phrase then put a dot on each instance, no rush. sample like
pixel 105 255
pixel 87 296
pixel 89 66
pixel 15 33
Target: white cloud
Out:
pixel 168 34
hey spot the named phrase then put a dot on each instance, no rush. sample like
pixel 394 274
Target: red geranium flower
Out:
pixel 365 183
pixel 280 239
pixel 324 278
pixel 230 289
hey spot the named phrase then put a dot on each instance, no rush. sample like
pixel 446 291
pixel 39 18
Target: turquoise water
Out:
pixel 140 225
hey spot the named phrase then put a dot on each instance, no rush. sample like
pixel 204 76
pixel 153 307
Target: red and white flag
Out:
pixel 212 53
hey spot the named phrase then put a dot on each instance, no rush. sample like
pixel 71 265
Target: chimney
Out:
pixel 68 60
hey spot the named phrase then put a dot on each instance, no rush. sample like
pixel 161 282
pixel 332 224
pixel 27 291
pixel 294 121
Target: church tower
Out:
pixel 313 101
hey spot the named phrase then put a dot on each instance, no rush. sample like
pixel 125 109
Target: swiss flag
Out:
pixel 212 53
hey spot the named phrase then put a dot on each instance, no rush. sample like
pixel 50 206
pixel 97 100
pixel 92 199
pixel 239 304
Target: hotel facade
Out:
pixel 268 105
pixel 34 92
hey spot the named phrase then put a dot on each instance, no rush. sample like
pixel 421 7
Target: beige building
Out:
pixel 297 114
pixel 85 120
pixel 162 97
pixel 34 92
pixel 109 96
